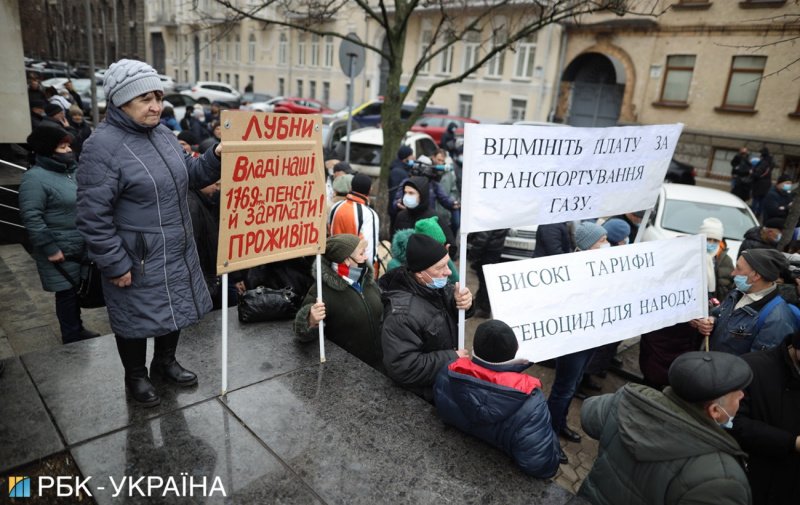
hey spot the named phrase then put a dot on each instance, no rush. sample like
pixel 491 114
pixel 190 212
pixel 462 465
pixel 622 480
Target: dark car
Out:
pixel 680 173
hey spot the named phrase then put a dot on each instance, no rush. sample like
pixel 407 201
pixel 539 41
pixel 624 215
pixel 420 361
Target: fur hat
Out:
pixel 361 184
pixel 617 230
pixel 127 79
pixel 587 234
pixel 423 252
pixel 704 376
pixel 494 342
pixel 340 247
pixel 430 227
pixel 712 227
pixel 44 139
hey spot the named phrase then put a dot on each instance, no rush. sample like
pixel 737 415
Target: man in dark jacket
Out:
pixel 398 172
pixel 673 447
pixel 762 180
pixel 768 423
pixel 553 239
pixel 420 327
pixel 490 398
pixel 765 236
pixel 778 199
pixel 487 246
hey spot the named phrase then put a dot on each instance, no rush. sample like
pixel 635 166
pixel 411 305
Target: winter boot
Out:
pixel 133 353
pixel 165 365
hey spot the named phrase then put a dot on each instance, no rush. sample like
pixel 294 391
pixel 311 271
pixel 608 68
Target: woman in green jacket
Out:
pixel 47 198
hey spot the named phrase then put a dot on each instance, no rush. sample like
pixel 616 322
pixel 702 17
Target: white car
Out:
pixel 167 82
pixel 681 208
pixel 366 148
pixel 207 92
pixel 267 105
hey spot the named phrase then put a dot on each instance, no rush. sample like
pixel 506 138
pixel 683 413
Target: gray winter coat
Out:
pixel 133 213
pixel 656 449
pixel 47 208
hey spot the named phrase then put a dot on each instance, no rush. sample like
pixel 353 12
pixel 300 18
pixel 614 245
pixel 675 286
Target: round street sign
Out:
pixel 351 50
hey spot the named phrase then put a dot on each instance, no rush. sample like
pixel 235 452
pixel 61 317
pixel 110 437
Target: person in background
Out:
pixel 618 231
pixel 742 176
pixel 420 327
pixel 429 227
pixel 767 425
pixel 398 172
pixel 47 198
pixel 416 206
pixel 671 447
pixel 778 199
pixel 765 236
pixel 57 118
pixel 436 195
pixel 35 91
pixel 552 239
pixel 448 140
pixel 490 397
pixel 214 138
pixel 353 215
pixel 53 97
pixel 486 249
pixel 37 112
pixel 762 180
pixel 719 263
pixel 81 128
pixel 634 219
pixel 189 143
pixel 351 301
pixel 449 185
pixel 133 182
pixel 168 119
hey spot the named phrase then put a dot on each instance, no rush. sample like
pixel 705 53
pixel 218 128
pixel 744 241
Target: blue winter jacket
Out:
pixel 133 214
pixel 735 330
pixel 502 407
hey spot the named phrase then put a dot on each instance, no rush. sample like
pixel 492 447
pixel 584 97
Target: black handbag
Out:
pixel 90 287
pixel 265 304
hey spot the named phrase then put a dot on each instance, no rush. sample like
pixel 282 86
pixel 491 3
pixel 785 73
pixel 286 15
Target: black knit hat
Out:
pixel 423 252
pixel 343 166
pixel 494 342
pixel 340 247
pixel 361 184
pixel 51 109
pixel 44 139
pixel 769 263
pixel 187 137
pixel 704 376
pixel 774 222
pixel 404 152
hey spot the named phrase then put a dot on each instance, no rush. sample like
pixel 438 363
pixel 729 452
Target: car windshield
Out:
pixel 686 217
pixel 361 154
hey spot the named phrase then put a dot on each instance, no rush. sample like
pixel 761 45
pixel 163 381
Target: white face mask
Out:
pixel 410 201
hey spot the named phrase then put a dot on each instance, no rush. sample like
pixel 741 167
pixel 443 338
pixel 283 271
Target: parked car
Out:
pixel 334 130
pixel 167 82
pixel 366 148
pixel 254 101
pixel 295 105
pixel 680 210
pixel 369 113
pixel 681 173
pixel 178 102
pixel 264 106
pixel 83 87
pixel 206 92
pixel 436 124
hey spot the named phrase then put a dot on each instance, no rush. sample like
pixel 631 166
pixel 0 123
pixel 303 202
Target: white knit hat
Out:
pixel 712 227
pixel 127 79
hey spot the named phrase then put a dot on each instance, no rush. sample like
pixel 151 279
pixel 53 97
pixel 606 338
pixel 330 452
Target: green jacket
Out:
pixel 657 449
pixel 352 319
pixel 47 197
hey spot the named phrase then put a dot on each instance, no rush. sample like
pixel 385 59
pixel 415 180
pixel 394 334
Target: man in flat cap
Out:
pixel 753 317
pixel 420 325
pixel 671 447
pixel 768 424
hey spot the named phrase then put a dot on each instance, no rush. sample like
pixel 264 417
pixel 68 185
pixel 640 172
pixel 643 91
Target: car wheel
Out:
pixel 203 101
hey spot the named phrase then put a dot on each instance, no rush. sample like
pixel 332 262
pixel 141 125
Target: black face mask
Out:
pixel 66 158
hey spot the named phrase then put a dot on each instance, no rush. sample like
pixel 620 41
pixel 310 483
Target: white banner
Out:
pixel 521 175
pixel 569 302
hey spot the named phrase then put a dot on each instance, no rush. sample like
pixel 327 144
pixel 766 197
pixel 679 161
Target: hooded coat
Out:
pixel 420 330
pixel 428 191
pixel 133 213
pixel 776 203
pixel 352 319
pixel 47 198
pixel 657 449
pixel 767 426
pixel 753 240
pixel 502 406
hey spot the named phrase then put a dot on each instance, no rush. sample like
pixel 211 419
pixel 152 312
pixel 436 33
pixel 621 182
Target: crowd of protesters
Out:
pixel 137 197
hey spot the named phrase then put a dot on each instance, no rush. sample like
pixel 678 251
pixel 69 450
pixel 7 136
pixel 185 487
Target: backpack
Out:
pixel 764 313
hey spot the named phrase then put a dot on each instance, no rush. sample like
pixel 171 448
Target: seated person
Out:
pixel 351 302
pixel 489 397
pixel 420 327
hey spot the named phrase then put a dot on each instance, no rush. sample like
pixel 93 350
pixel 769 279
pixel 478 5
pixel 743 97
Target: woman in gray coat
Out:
pixel 132 211
pixel 47 208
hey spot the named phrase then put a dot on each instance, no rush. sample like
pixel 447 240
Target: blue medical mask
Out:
pixel 711 247
pixel 410 201
pixel 437 282
pixel 441 168
pixel 787 187
pixel 727 424
pixel 410 163
pixel 741 283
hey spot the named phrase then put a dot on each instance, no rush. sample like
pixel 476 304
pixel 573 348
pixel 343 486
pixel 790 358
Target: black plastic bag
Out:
pixel 265 304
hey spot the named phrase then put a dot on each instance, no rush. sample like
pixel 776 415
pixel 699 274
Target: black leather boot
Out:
pixel 165 365
pixel 133 353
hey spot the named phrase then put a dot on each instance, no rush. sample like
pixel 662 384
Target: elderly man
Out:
pixel 768 423
pixel 753 316
pixel 672 447
pixel 765 236
pixel 420 326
